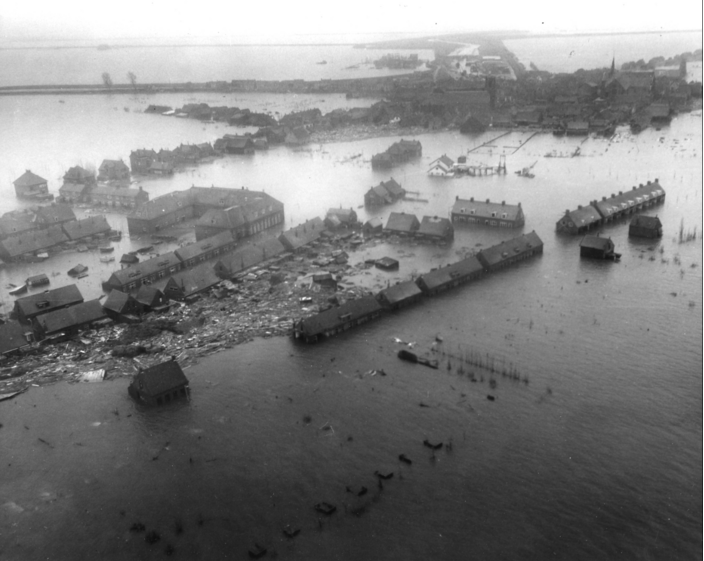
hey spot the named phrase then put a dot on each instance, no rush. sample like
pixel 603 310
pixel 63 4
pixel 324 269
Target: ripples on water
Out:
pixel 604 465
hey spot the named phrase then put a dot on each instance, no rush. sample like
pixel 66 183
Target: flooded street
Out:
pixel 593 452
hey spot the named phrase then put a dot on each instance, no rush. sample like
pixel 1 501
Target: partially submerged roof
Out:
pixel 28 179
pixel 191 251
pixel 160 378
pixel 11 337
pixel 73 316
pixel 652 222
pixel 402 222
pixel 145 268
pixel 596 242
pixel 400 292
pixel 85 227
pixel 505 250
pixel 435 226
pixel 455 272
pixel 32 240
pixel 486 209
pixel 303 234
pixel 348 312
pixel 50 300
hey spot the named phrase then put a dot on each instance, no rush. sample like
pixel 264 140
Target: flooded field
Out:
pixel 595 453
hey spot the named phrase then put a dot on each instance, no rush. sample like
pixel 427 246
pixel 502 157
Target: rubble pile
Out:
pixel 262 302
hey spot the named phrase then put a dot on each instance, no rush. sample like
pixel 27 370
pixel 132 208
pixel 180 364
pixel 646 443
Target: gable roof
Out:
pixel 303 234
pixel 400 292
pixel 381 192
pixel 627 199
pixel 114 191
pixel 32 240
pixel 435 226
pixel 349 311
pixel 402 222
pixel 161 378
pixel 485 209
pixel 149 295
pixel 443 161
pixel 646 221
pixel 55 213
pixel 11 337
pixel 456 271
pixel 193 250
pixel 85 227
pixel 28 179
pixel 596 242
pixel 116 301
pixel 78 174
pixel 163 204
pixel 136 272
pixel 195 280
pixel 73 316
pixel 393 187
pixel 44 302
pixel 583 216
pixel 498 253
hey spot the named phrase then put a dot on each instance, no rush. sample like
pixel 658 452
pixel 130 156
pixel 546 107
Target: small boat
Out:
pixel 42 255
pixel 82 276
pixel 325 508
pixel 405 459
pixel 403 354
pixel 107 259
pixel 18 290
pixel 107 249
pixel 77 270
pixel 81 248
pixel 145 249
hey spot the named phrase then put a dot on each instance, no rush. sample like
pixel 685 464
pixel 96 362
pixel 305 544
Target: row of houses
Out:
pixel 240 211
pixel 616 206
pixel 31 186
pixel 29 243
pixel 359 311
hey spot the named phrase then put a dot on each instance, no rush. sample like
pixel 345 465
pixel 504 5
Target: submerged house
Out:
pixel 340 217
pixel 248 256
pixel 113 170
pixel 152 299
pixel 69 321
pixel 511 251
pixel 302 235
pixel 400 295
pixel 147 272
pixel 116 196
pixel 120 306
pixel 435 228
pixel 201 251
pixel 87 227
pixel 30 307
pixel 450 276
pixel 337 320
pixel 487 213
pixel 189 283
pixel 645 227
pixel 159 384
pixel 579 221
pixel 30 186
pixel 403 224
pixel 28 243
pixel 596 247
pixel 442 167
pixel 13 338
pixel 53 214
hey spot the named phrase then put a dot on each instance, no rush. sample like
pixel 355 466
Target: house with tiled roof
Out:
pixel 645 227
pixel 450 276
pixel 208 248
pixel 30 185
pixel 582 219
pixel 510 251
pixel 159 384
pixel 336 320
pixel 53 214
pixel 377 196
pixel 141 160
pixel 29 307
pixel 487 213
pixel 69 321
pixel 400 295
pixel 13 338
pixel 441 167
pixel 403 224
pixel 300 236
pixel 189 282
pixel 116 196
pixel 247 256
pixel 150 271
pixel 113 170
pixel 120 306
pixel 151 298
pixel 30 242
pixel 11 226
pixel 86 227
pixel 435 228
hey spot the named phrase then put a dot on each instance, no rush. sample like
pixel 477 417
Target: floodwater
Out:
pixel 597 456
pixel 570 53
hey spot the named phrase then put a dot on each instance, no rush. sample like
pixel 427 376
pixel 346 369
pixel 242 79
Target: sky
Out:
pixel 327 21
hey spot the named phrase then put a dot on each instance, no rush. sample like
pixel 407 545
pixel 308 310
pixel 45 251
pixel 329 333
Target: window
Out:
pixel 471 211
pixel 493 214
pixel 504 215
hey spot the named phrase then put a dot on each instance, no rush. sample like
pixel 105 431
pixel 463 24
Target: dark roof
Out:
pixel 302 234
pixel 394 187
pixel 78 174
pixel 381 192
pixel 646 222
pixel 496 254
pixel 11 337
pixel 484 209
pixel 350 311
pixel 124 192
pixel 435 227
pixel 627 199
pixel 456 271
pixel 73 316
pixel 43 302
pixel 33 240
pixel 144 269
pixel 400 292
pixel 55 213
pixel 116 301
pixel 251 255
pixel 85 227
pixel 150 295
pixel 193 250
pixel 28 179
pixel 596 242
pixel 402 222
pixel 584 216
pixel 344 215
pixel 161 378
pixel 10 226
pixel 195 280
pixel 164 204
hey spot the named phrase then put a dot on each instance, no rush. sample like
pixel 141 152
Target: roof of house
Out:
pixel 11 337
pixel 77 173
pixel 381 192
pixel 443 161
pixel 394 187
pixel 114 165
pixel 435 226
pixel 33 240
pixel 160 378
pixel 145 268
pixel 486 209
pixel 626 199
pixel 28 179
pixel 116 301
pixel 302 234
pixel 402 222
pixel 10 226
pixel 76 188
pixel 400 292
pixel 85 227
pixel 349 311
pixel 148 295
pixel 164 204
pixel 596 242
pixel 456 271
pixel 73 316
pixel 343 214
pixel 195 280
pixel 193 250
pixel 584 216
pixel 646 221
pixel 577 125
pixel 43 302
pixel 505 250
pixel 374 223
pixel 114 191
pixel 55 213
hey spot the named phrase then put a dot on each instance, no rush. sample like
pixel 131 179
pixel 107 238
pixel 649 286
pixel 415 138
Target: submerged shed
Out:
pixel 159 384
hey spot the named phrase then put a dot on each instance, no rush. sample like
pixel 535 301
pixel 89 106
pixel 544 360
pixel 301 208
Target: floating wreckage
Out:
pixel 408 356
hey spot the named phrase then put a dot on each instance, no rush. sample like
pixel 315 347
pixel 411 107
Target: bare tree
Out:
pixel 107 80
pixel 133 79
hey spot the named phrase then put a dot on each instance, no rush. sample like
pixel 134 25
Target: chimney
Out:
pixel 487 200
pixel 640 185
pixel 471 200
pixel 603 198
pixel 620 192
pixel 457 197
pixel 503 203
pixel 657 180
pixel 579 207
